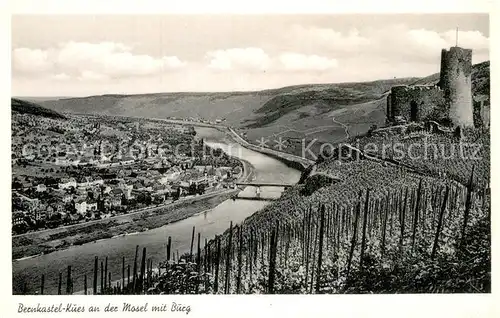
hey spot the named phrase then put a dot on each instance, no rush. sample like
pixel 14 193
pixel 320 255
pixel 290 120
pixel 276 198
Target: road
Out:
pixel 147 209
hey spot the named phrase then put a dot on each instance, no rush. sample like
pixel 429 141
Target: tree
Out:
pixel 201 188
pixel 124 199
pixel 192 188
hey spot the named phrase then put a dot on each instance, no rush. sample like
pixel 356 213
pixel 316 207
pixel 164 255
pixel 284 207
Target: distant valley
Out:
pixel 326 112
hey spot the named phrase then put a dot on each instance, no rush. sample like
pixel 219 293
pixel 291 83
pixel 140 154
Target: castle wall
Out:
pixel 388 112
pixel 428 100
pixel 455 81
pixel 481 110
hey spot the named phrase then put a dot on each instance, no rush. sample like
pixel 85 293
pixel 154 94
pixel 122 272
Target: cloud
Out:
pixel 30 61
pixel 256 59
pixel 251 58
pixel 392 42
pixel 302 62
pixel 108 59
pixel 61 77
pixel 92 76
pixel 315 38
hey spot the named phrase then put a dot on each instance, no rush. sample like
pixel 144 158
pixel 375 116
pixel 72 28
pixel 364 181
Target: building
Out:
pixel 449 101
pixel 482 110
pixel 67 183
pixel 81 206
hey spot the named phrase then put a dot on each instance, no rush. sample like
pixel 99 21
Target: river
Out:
pixel 208 223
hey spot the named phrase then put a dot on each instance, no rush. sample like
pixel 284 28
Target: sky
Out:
pixel 86 55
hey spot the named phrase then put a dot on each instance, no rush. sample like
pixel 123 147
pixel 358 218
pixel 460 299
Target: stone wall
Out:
pixel 417 103
pixel 481 111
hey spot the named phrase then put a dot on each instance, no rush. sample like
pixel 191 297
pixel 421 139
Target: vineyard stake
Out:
pixel 106 273
pixel 134 274
pixel 320 249
pixel 240 259
pixel 68 281
pixel 102 278
pixel 94 284
pixel 143 269
pixel 128 276
pixel 60 284
pixel 272 259
pixel 440 223
pixel 384 226
pixel 415 215
pixel 198 263
pixel 216 283
pixel 228 260
pixel 363 237
pixel 354 234
pixel 169 248
pixel 402 220
pixel 192 242
pixel 468 203
pixel 123 270
pixel 85 283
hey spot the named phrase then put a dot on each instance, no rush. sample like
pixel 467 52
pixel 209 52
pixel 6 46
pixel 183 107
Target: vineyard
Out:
pixel 408 240
pixel 435 154
pixel 359 226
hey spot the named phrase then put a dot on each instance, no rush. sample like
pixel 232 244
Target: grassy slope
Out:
pixel 25 107
pixel 238 108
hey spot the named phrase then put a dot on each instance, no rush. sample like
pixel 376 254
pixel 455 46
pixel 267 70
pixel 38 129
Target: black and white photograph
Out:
pixel 177 154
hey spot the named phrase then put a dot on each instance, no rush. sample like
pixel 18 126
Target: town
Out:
pixel 81 168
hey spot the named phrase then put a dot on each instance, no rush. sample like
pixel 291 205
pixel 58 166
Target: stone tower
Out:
pixel 455 81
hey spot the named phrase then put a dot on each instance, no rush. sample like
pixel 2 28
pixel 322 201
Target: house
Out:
pixel 127 160
pixel 84 161
pixel 41 188
pixel 115 201
pixel 18 218
pixel 40 215
pixel 67 183
pixel 116 192
pixel 73 159
pixel 84 182
pixel 81 206
pixel 159 189
pixel 60 208
pixel 92 205
pixel 97 180
pixel 107 189
pixel 50 210
pixel 202 168
pixel 26 184
pixel 127 190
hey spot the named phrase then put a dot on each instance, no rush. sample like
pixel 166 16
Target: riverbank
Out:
pixel 292 161
pixel 50 240
pixel 44 242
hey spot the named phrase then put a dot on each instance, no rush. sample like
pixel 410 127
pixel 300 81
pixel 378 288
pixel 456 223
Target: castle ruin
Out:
pixel 449 101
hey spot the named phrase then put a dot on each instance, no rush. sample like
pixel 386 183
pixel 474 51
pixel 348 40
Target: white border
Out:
pixel 251 306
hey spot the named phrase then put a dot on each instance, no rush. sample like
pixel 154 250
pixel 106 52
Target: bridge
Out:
pixel 256 198
pixel 264 184
pixel 257 186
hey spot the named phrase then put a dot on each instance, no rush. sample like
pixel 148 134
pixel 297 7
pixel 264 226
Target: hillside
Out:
pixel 322 112
pixel 25 107
pixel 239 109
